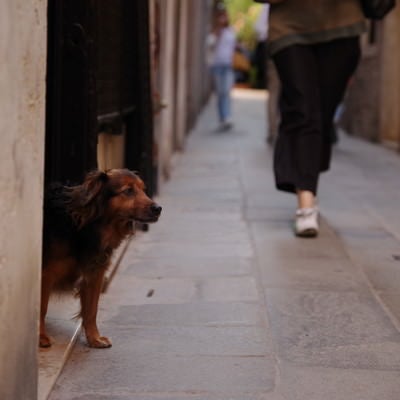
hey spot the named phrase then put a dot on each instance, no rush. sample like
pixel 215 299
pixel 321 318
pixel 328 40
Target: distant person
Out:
pixel 221 46
pixel 315 47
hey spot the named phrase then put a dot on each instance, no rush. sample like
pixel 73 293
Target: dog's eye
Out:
pixel 128 192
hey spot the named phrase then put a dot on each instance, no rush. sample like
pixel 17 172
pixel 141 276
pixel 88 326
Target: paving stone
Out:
pixel 289 265
pixel 312 274
pixel 260 210
pixel 114 373
pixel 191 314
pixel 341 330
pixel 198 249
pixel 337 384
pixel 172 267
pixel 237 341
pixel 135 291
pixel 178 396
pixel 187 309
pixel 204 235
pixel 391 300
pixel 374 250
pixel 228 289
pixel 277 240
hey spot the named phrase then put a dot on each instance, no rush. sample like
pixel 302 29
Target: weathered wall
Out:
pixel 168 81
pixel 22 97
pixel 390 79
pixel 372 101
pixel 361 112
pixel 198 71
pixel 181 78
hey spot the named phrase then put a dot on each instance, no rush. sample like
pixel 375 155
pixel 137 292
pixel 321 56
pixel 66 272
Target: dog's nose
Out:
pixel 156 209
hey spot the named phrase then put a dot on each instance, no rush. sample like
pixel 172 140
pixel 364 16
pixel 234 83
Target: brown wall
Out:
pixel 390 79
pixel 361 112
pixel 372 102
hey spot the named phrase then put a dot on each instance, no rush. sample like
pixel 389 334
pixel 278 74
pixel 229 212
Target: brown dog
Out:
pixel 83 225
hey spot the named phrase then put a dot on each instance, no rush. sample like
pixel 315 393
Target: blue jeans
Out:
pixel 223 80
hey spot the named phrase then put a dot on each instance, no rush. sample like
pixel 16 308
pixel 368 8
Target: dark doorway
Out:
pixel 71 96
pixel 98 80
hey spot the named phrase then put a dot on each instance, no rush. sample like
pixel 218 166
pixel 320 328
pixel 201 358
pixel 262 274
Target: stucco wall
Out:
pixel 361 111
pixel 390 81
pixel 372 101
pixel 167 68
pixel 182 79
pixel 22 97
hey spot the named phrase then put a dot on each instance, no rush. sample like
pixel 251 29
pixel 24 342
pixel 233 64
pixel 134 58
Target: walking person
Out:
pixel 221 46
pixel 315 48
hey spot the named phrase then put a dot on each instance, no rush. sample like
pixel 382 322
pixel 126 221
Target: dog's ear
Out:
pixel 93 185
pixel 87 201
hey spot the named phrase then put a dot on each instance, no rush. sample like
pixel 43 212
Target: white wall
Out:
pixel 22 99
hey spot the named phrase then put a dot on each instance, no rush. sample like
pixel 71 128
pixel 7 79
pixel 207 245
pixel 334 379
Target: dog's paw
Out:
pixel 44 341
pixel 100 342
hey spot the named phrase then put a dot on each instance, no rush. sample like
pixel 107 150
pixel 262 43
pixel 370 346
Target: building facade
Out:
pixel 22 121
pixel 372 100
pixel 86 84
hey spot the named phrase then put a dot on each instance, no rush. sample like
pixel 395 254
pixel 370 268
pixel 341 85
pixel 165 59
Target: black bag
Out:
pixel 377 9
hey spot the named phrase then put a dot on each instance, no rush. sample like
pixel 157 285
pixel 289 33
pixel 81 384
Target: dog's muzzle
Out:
pixel 149 214
pixel 155 209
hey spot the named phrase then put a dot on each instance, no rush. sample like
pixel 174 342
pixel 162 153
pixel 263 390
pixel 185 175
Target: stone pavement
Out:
pixel 219 301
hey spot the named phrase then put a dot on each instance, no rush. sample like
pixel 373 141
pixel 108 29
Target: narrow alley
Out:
pixel 220 301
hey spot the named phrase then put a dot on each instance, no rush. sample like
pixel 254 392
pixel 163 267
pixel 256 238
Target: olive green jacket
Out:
pixel 312 21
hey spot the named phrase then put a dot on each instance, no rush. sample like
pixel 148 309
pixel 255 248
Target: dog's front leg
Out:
pixel 89 294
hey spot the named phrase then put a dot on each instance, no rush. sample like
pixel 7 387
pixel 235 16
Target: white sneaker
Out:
pixel 225 125
pixel 306 222
pixel 228 123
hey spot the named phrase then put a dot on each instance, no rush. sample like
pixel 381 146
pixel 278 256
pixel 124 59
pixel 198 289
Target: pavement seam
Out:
pixel 375 293
pixel 257 274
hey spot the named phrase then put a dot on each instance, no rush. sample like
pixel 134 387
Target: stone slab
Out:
pixel 203 248
pixel 189 314
pixel 179 396
pixel 337 384
pixel 189 267
pixel 119 373
pixel 330 329
pixel 187 310
pixel 231 341
pixel 135 291
pixel 63 331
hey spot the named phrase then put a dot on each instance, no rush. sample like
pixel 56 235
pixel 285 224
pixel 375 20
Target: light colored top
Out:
pixel 313 21
pixel 261 25
pixel 221 48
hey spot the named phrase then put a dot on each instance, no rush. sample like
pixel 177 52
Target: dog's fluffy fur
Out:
pixel 83 225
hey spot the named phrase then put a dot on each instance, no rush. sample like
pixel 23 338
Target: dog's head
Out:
pixel 116 195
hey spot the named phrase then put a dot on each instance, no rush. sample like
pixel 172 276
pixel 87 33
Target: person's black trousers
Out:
pixel 313 82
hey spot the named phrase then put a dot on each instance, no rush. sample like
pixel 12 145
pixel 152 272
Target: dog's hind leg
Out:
pixel 53 273
pixel 47 284
pixel 90 290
